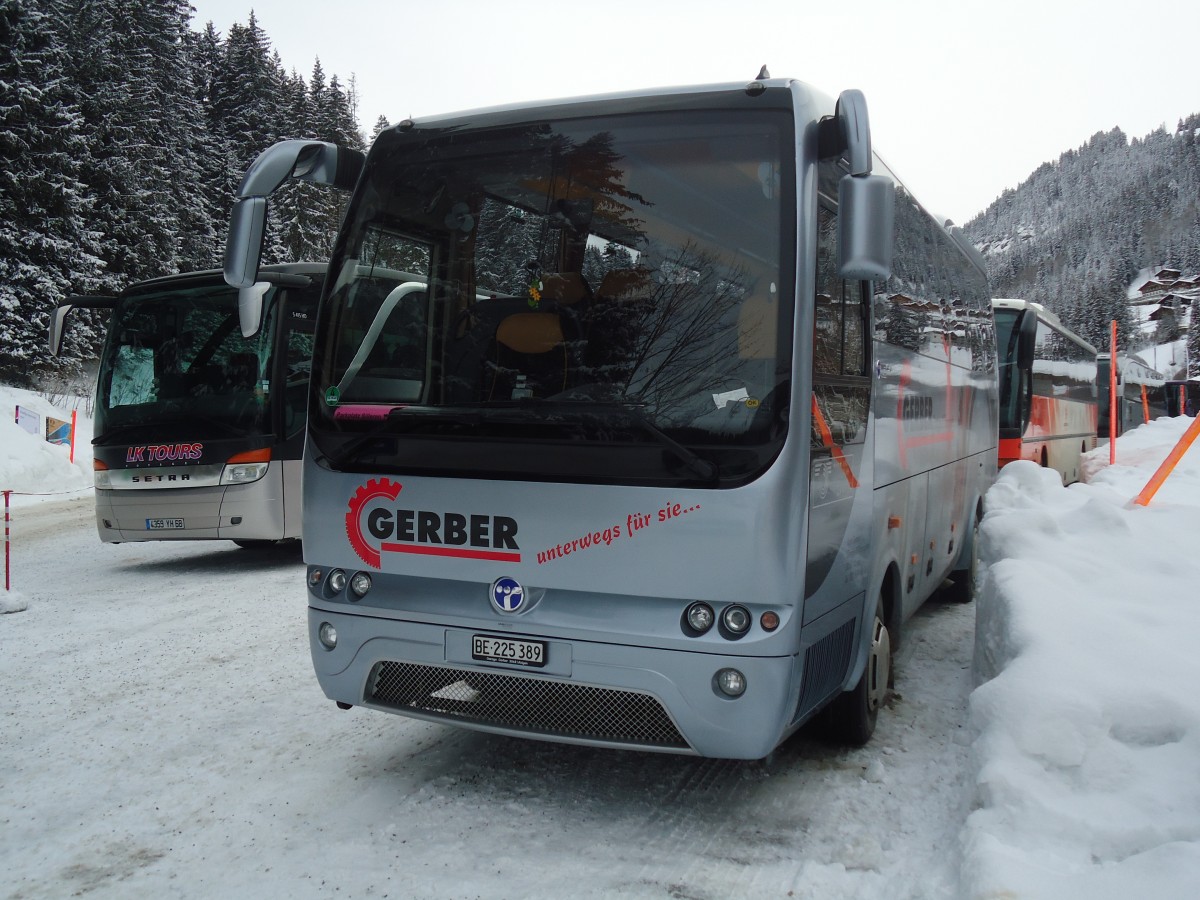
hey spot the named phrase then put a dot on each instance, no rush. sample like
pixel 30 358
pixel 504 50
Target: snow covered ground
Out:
pixel 162 734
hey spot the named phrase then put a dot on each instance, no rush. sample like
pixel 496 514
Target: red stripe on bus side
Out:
pixel 456 552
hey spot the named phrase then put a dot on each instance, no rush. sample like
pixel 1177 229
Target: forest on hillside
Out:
pixel 118 162
pixel 1078 232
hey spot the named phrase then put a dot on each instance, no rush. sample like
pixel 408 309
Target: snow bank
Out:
pixel 1088 718
pixel 30 466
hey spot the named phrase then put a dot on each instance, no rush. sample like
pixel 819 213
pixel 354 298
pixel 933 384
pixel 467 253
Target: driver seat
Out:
pixel 529 357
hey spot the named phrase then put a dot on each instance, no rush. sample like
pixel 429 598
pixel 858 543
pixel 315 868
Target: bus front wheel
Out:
pixel 965 581
pixel 853 714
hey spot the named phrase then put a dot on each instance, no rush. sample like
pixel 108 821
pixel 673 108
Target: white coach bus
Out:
pixel 198 428
pixel 688 407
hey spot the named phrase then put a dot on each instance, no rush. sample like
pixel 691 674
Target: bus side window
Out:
pixel 839 339
pixel 298 361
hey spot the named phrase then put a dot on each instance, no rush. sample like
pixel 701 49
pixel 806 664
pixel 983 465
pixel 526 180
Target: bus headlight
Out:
pixel 699 617
pixel 731 682
pixel 736 619
pixel 327 635
pixel 337 581
pixel 243 473
pixel 360 584
pixel 100 476
pixel 243 468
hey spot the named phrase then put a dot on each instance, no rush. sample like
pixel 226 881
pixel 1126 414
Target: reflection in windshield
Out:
pixel 615 261
pixel 178 361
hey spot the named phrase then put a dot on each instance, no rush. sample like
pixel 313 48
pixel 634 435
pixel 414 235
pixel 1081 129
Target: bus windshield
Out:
pixel 176 363
pixel 603 299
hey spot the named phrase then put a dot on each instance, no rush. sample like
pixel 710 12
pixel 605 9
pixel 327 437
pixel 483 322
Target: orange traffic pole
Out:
pixel 1168 464
pixel 7 560
pixel 1112 394
pixel 1145 406
pixel 74 414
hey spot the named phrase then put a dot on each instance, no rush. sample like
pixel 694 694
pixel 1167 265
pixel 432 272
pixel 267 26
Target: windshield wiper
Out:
pixel 702 468
pixel 111 435
pixel 475 414
pixel 469 416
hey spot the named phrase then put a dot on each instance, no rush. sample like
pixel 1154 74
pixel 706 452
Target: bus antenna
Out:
pixel 763 74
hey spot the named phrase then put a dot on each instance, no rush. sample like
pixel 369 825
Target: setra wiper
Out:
pixel 111 435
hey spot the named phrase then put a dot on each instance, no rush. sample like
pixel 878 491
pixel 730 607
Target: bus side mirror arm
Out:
pixel 58 317
pixel 314 161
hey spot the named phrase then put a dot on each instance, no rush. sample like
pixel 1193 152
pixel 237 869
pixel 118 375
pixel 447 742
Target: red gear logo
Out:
pixel 374 489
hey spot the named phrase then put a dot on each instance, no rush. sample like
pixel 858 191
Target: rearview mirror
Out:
pixel 58 321
pixel 866 220
pixel 1026 340
pixel 243 246
pixel 250 307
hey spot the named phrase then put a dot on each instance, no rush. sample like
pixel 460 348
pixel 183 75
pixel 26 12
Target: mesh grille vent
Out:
pixel 535 705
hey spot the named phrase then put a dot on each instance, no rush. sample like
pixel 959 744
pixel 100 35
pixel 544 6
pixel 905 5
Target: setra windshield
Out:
pixel 602 300
pixel 176 365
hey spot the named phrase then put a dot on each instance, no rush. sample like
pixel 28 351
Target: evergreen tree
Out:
pixel 46 245
pixel 381 125
pixel 127 86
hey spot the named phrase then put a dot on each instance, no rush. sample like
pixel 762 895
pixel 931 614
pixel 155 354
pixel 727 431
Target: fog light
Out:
pixel 736 619
pixel 337 581
pixel 769 620
pixel 360 584
pixel 327 635
pixel 731 682
pixel 700 617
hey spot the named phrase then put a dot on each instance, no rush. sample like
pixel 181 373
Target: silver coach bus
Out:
pixel 688 407
pixel 199 429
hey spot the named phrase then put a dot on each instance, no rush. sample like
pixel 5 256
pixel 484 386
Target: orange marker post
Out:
pixel 1145 406
pixel 1168 464
pixel 7 559
pixel 1112 394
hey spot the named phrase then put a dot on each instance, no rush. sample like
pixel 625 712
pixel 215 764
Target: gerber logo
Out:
pixel 376 524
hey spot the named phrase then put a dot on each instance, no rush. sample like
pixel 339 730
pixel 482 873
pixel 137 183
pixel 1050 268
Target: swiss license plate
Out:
pixel 507 650
pixel 160 524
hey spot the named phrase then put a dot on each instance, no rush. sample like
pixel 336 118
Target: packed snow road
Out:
pixel 162 735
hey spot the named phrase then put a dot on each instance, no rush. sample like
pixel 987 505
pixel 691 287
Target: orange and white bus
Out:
pixel 1048 394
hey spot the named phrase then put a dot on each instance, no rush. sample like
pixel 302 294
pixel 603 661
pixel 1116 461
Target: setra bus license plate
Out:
pixel 160 524
pixel 507 650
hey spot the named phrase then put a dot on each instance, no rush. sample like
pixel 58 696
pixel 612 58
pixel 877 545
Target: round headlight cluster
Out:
pixel 736 620
pixel 699 617
pixel 733 622
pixel 336 582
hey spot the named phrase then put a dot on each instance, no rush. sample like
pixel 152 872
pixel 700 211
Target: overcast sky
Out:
pixel 966 98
